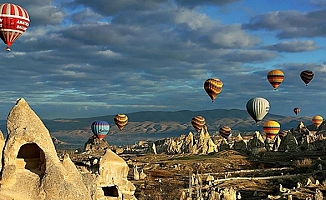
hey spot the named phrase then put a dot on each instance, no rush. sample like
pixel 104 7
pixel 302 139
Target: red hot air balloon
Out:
pixel 14 21
pixel 296 110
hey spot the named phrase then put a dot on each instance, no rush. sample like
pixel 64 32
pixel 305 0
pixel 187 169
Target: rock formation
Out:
pixel 32 170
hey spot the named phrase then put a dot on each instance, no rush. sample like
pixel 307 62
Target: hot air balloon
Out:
pixel 198 123
pixel 121 120
pixel 14 21
pixel 317 120
pixel 271 128
pixel 213 87
pixel 100 128
pixel 275 78
pixel 225 131
pixel 296 110
pixel 306 76
pixel 257 108
pixel 283 133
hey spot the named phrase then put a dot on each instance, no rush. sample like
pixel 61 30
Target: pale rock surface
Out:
pixel 31 168
pixel 2 144
pixel 239 143
pixel 95 144
pixel 256 143
pixel 113 172
pixel 289 143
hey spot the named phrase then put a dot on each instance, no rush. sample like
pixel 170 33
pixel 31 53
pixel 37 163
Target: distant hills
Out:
pixel 177 121
pixel 167 123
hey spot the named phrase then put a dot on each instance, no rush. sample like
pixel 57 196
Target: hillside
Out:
pixel 153 125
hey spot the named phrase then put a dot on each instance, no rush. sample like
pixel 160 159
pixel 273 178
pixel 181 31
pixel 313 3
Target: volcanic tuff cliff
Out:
pixel 31 168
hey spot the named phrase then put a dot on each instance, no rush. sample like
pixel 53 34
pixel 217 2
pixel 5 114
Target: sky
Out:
pixel 82 58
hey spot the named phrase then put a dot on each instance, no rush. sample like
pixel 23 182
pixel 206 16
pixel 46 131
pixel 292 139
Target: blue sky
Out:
pixel 82 58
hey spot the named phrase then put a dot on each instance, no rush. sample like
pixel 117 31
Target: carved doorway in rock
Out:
pixel 110 191
pixel 33 157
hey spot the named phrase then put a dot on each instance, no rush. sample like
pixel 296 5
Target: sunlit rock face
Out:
pixel 32 170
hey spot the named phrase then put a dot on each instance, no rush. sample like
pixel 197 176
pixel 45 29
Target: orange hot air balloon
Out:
pixel 121 120
pixel 14 21
pixel 271 128
pixel 317 120
pixel 213 87
pixel 198 123
pixel 275 78
pixel 225 131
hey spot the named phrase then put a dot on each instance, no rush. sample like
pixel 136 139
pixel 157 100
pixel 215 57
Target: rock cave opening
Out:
pixel 110 191
pixel 33 157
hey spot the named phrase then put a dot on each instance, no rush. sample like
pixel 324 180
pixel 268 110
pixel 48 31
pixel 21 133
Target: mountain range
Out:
pixel 156 124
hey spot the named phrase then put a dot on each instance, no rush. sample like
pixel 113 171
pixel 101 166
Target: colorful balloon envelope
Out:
pixel 198 123
pixel 100 128
pixel 257 108
pixel 121 120
pixel 283 133
pixel 213 87
pixel 14 21
pixel 306 76
pixel 225 131
pixel 317 120
pixel 271 128
pixel 275 78
pixel 296 110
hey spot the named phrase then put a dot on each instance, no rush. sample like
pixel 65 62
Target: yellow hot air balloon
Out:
pixel 121 120
pixel 317 120
pixel 275 78
pixel 271 128
pixel 213 87
pixel 198 123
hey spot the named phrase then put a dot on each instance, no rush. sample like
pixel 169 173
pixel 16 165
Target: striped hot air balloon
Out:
pixel 100 128
pixel 306 76
pixel 296 110
pixel 283 133
pixel 213 87
pixel 121 120
pixel 225 131
pixel 257 108
pixel 275 78
pixel 317 120
pixel 14 21
pixel 271 128
pixel 198 122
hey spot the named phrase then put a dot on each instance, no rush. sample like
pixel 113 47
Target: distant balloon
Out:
pixel 225 131
pixel 306 76
pixel 213 87
pixel 121 120
pixel 271 128
pixel 14 21
pixel 198 123
pixel 296 110
pixel 283 133
pixel 100 128
pixel 257 108
pixel 275 78
pixel 317 120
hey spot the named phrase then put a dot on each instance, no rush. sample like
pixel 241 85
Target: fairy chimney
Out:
pixel 112 179
pixel 2 144
pixel 31 168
